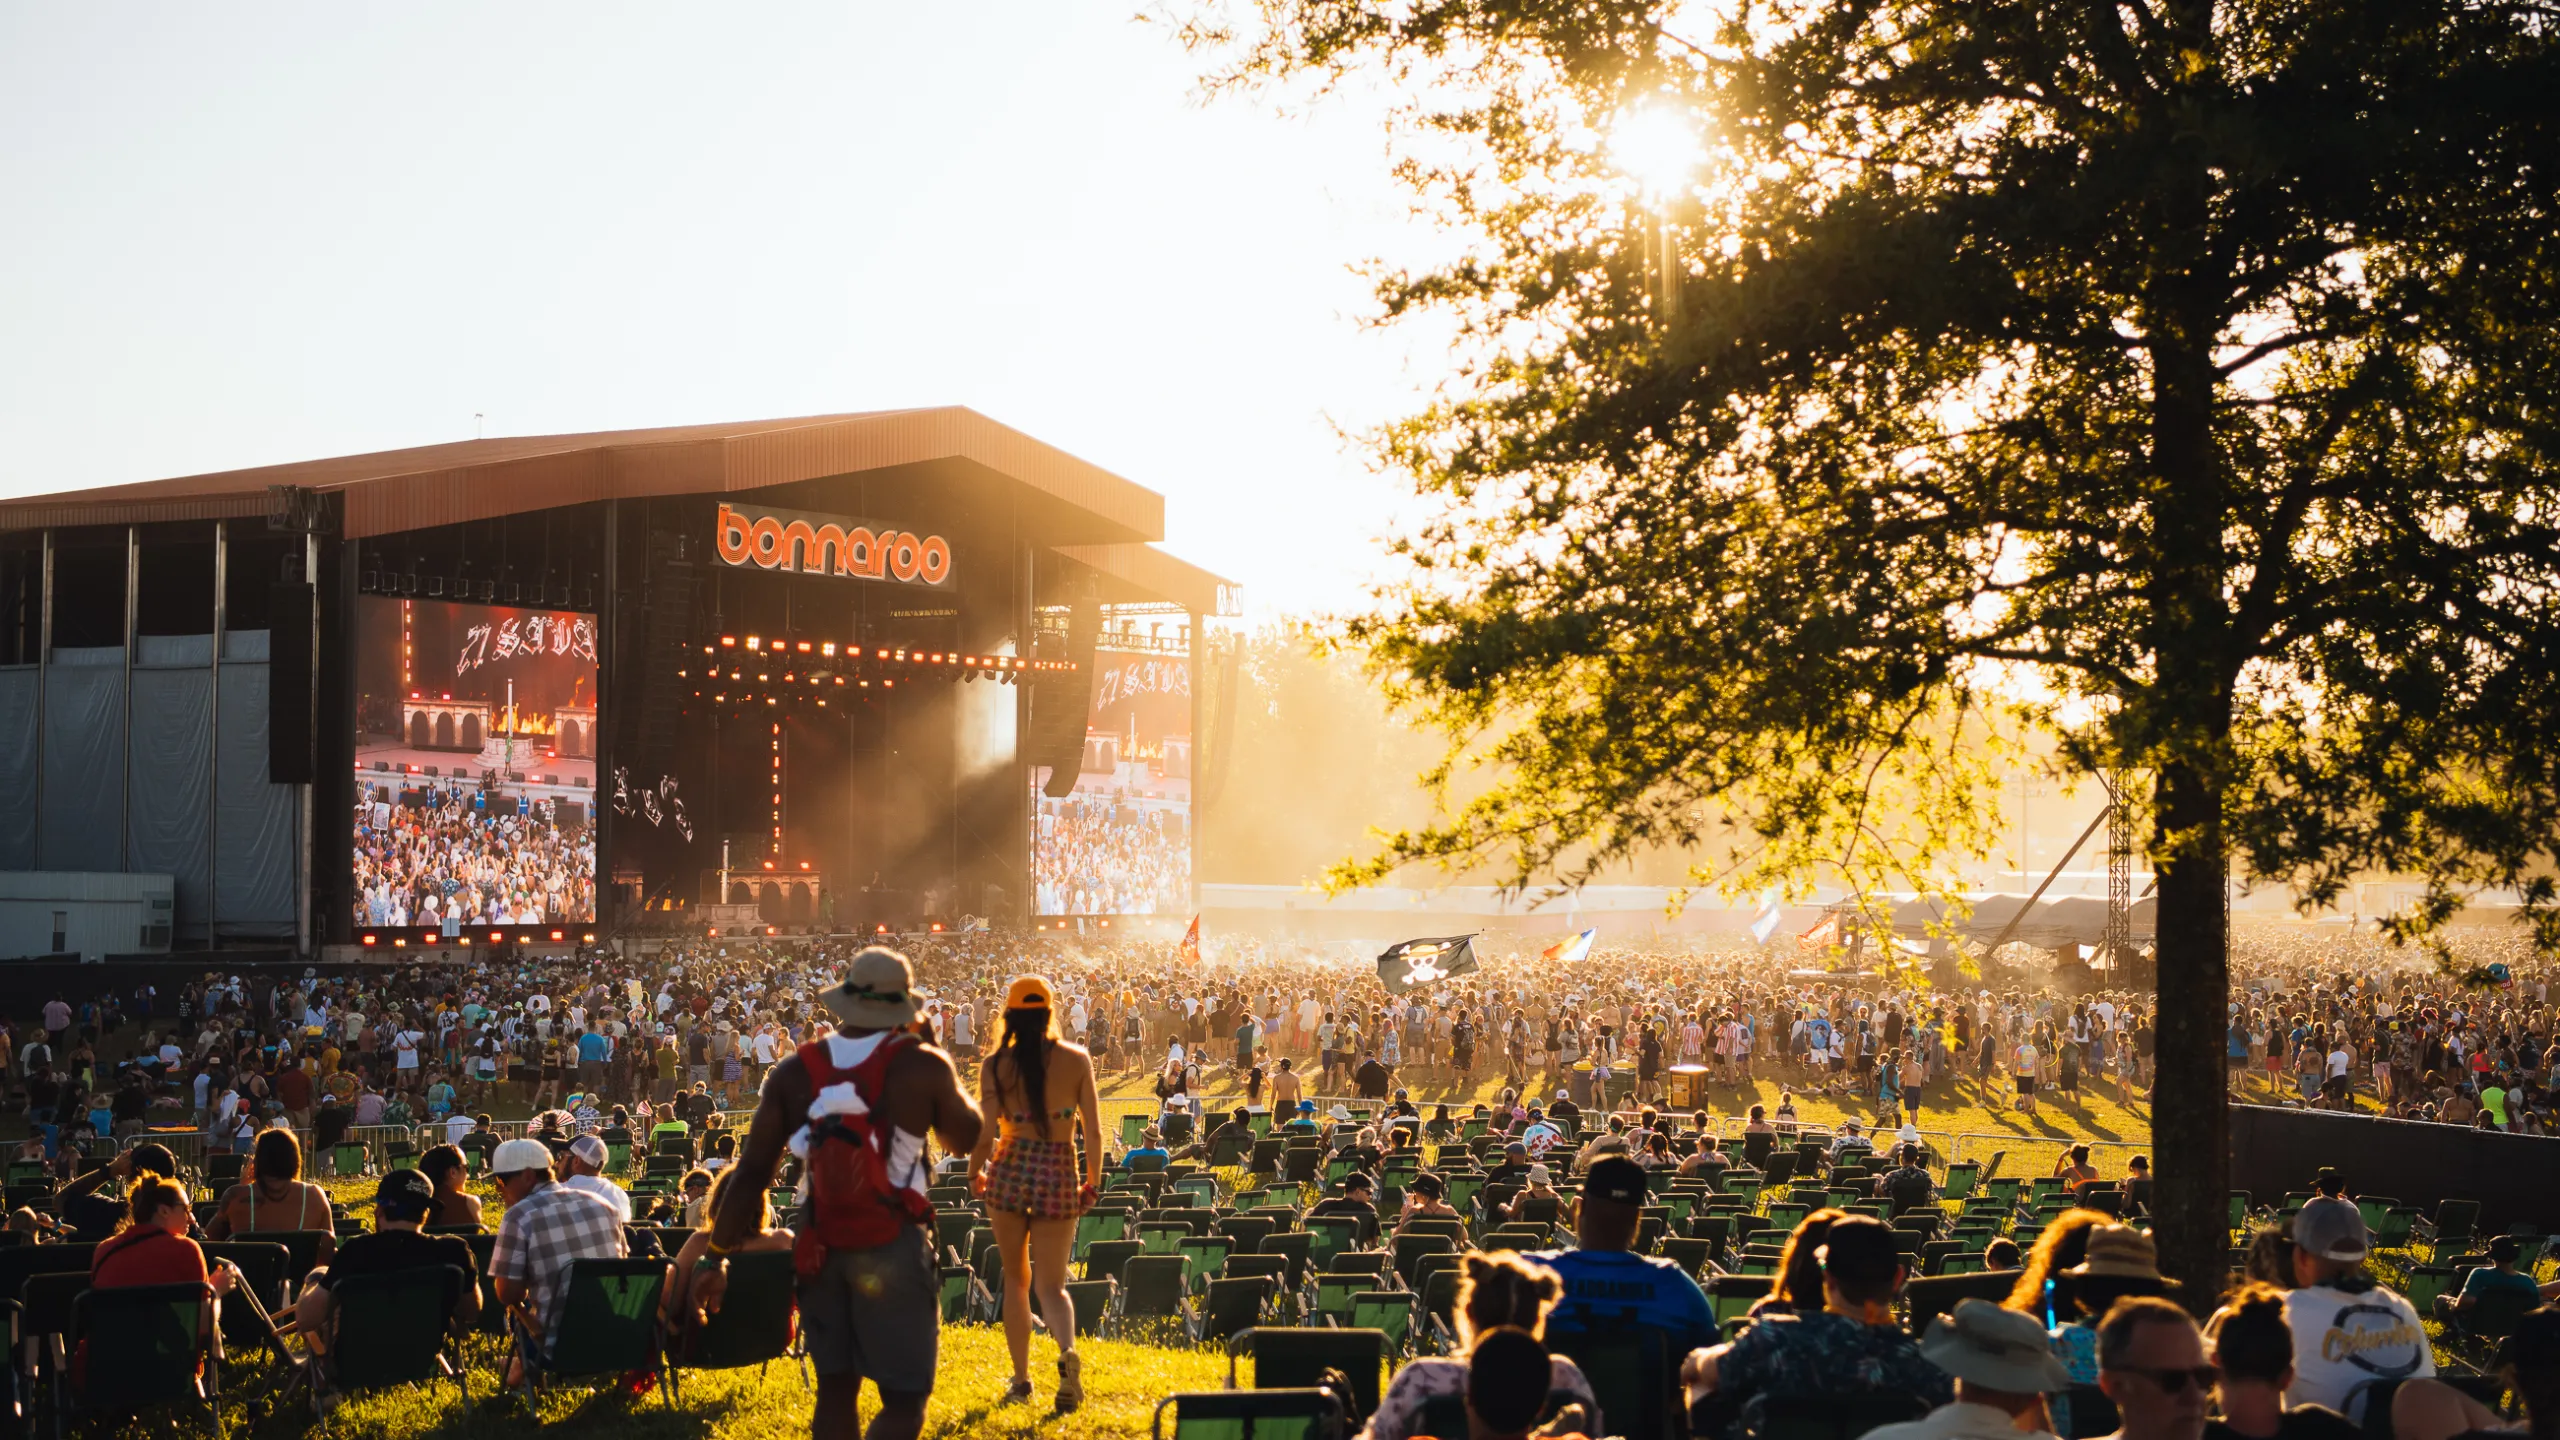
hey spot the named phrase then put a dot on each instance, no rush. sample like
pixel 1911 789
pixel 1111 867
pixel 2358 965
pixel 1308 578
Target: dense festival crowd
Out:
pixel 1106 855
pixel 598 1044
pixel 471 857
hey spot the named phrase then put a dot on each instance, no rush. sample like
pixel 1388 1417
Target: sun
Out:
pixel 1657 144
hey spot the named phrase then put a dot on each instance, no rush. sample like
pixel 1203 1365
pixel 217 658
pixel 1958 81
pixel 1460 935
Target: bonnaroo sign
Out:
pixel 806 544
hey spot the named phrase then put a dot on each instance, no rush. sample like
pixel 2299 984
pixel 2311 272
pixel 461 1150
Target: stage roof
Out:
pixel 398 490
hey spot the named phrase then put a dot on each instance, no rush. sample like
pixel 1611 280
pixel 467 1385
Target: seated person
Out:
pixel 2137 1185
pixel 1236 1129
pixel 1798 1290
pixel 1850 1143
pixel 2253 1346
pixel 93 1207
pixel 1357 1200
pixel 153 1248
pixel 1540 1186
pixel 697 1199
pixel 1150 1149
pixel 1427 1198
pixel 1853 1345
pixel 1909 1187
pixel 678 1307
pixel 401 1204
pixel 1709 1161
pixel 274 1196
pixel 2499 1274
pixel 1514 1167
pixel 1606 1284
pixel 446 1169
pixel 1495 1292
pixel 2003 1372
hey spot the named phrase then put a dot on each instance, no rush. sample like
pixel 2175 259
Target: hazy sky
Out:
pixel 247 233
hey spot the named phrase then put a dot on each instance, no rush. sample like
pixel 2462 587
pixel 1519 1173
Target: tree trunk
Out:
pixel 2190 1126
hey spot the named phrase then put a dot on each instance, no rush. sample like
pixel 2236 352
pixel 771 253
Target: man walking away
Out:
pixel 860 1101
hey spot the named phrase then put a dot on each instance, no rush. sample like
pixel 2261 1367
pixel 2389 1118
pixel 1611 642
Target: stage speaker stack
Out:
pixel 1062 704
pixel 292 651
pixel 648 733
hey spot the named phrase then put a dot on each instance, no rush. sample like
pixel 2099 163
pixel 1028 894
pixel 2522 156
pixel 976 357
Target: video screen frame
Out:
pixel 1124 842
pixel 477 732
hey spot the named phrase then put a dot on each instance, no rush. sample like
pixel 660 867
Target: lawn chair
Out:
pixel 1096 1225
pixel 1265 1414
pixel 263 1267
pixel 1331 1300
pixel 2449 1233
pixel 1296 1357
pixel 1691 1255
pixel 391 1329
pixel 139 1347
pixel 302 1248
pixel 1440 1311
pixel 1297 1246
pixel 1247 1231
pixel 1390 1312
pixel 1410 1247
pixel 1157 1288
pixel 1234 1305
pixel 1106 1259
pixel 1095 1302
pixel 608 1327
pixel 958 1284
pixel 1634 1374
pixel 753 1327
pixel 348 1157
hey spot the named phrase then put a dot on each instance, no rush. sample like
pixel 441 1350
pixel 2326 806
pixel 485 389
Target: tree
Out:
pixel 2173 374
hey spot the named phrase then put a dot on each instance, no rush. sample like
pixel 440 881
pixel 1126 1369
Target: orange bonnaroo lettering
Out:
pixel 830 545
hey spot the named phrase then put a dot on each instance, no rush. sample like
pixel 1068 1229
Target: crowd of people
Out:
pixel 1111 855
pixel 471 857
pixel 597 1044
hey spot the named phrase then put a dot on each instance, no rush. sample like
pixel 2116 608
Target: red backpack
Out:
pixel 852 1205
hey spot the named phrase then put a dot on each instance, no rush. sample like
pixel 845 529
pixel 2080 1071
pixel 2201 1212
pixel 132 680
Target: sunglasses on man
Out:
pixel 2174 1381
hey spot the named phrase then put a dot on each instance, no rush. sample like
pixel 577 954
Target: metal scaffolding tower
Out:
pixel 2118 944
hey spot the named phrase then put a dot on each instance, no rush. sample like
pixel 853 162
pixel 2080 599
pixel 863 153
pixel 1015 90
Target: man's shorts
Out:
pixel 2026 1085
pixel 876 1314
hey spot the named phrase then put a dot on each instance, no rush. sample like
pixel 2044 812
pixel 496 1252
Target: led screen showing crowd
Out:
pixel 475 765
pixel 1121 843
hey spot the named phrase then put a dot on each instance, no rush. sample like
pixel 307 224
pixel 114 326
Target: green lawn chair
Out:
pixel 1208 1257
pixel 1232 1305
pixel 1297 1246
pixel 753 1326
pixel 1961 1178
pixel 392 1329
pixel 1291 1357
pixel 147 1346
pixel 608 1327
pixel 1333 1235
pixel 346 1158
pixel 1297 1414
pixel 1096 1303
pixel 1388 1311
pixel 1133 1128
pixel 1096 1225
pixel 959 1283
pixel 1156 1290
pixel 1333 1295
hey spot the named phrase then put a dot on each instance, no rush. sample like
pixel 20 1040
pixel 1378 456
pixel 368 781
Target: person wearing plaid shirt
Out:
pixel 546 1226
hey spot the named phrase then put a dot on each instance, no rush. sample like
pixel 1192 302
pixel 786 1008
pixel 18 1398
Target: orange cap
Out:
pixel 1029 992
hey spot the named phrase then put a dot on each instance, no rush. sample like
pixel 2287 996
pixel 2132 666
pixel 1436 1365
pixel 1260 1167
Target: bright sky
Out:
pixel 252 233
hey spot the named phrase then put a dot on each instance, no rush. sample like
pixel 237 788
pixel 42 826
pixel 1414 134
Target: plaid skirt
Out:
pixel 1036 1178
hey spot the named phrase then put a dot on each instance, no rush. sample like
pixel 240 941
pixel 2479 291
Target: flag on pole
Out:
pixel 1571 951
pixel 1191 942
pixel 1822 933
pixel 1420 962
pixel 1766 924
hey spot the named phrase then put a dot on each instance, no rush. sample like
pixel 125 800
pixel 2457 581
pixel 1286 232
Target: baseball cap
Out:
pixel 1357 1180
pixel 1029 992
pixel 404 1195
pixel 515 1156
pixel 590 1149
pixel 1614 1179
pixel 2332 1230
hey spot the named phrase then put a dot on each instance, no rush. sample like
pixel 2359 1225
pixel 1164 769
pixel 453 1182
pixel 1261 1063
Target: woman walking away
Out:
pixel 1038 1085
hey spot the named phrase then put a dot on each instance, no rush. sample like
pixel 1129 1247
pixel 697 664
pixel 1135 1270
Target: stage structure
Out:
pixel 545 689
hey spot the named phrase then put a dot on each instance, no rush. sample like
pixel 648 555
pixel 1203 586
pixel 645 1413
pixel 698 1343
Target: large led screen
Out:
pixel 1121 843
pixel 475 765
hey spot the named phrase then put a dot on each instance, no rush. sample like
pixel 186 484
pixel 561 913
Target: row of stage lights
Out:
pixel 811 666
pixel 400 939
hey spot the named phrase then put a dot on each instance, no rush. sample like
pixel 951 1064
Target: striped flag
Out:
pixel 1570 952
pixel 1191 942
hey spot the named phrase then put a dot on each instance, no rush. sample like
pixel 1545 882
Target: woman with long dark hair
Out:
pixel 1040 1088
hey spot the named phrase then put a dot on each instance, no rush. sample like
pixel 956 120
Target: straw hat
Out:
pixel 2119 1252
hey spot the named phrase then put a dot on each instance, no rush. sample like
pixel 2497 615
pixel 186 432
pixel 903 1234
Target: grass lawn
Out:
pixel 1122 1381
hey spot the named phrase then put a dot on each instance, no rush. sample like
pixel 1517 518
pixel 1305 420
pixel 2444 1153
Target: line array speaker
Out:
pixel 292 726
pixel 1062 705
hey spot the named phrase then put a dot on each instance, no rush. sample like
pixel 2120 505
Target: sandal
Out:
pixel 1070 1382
